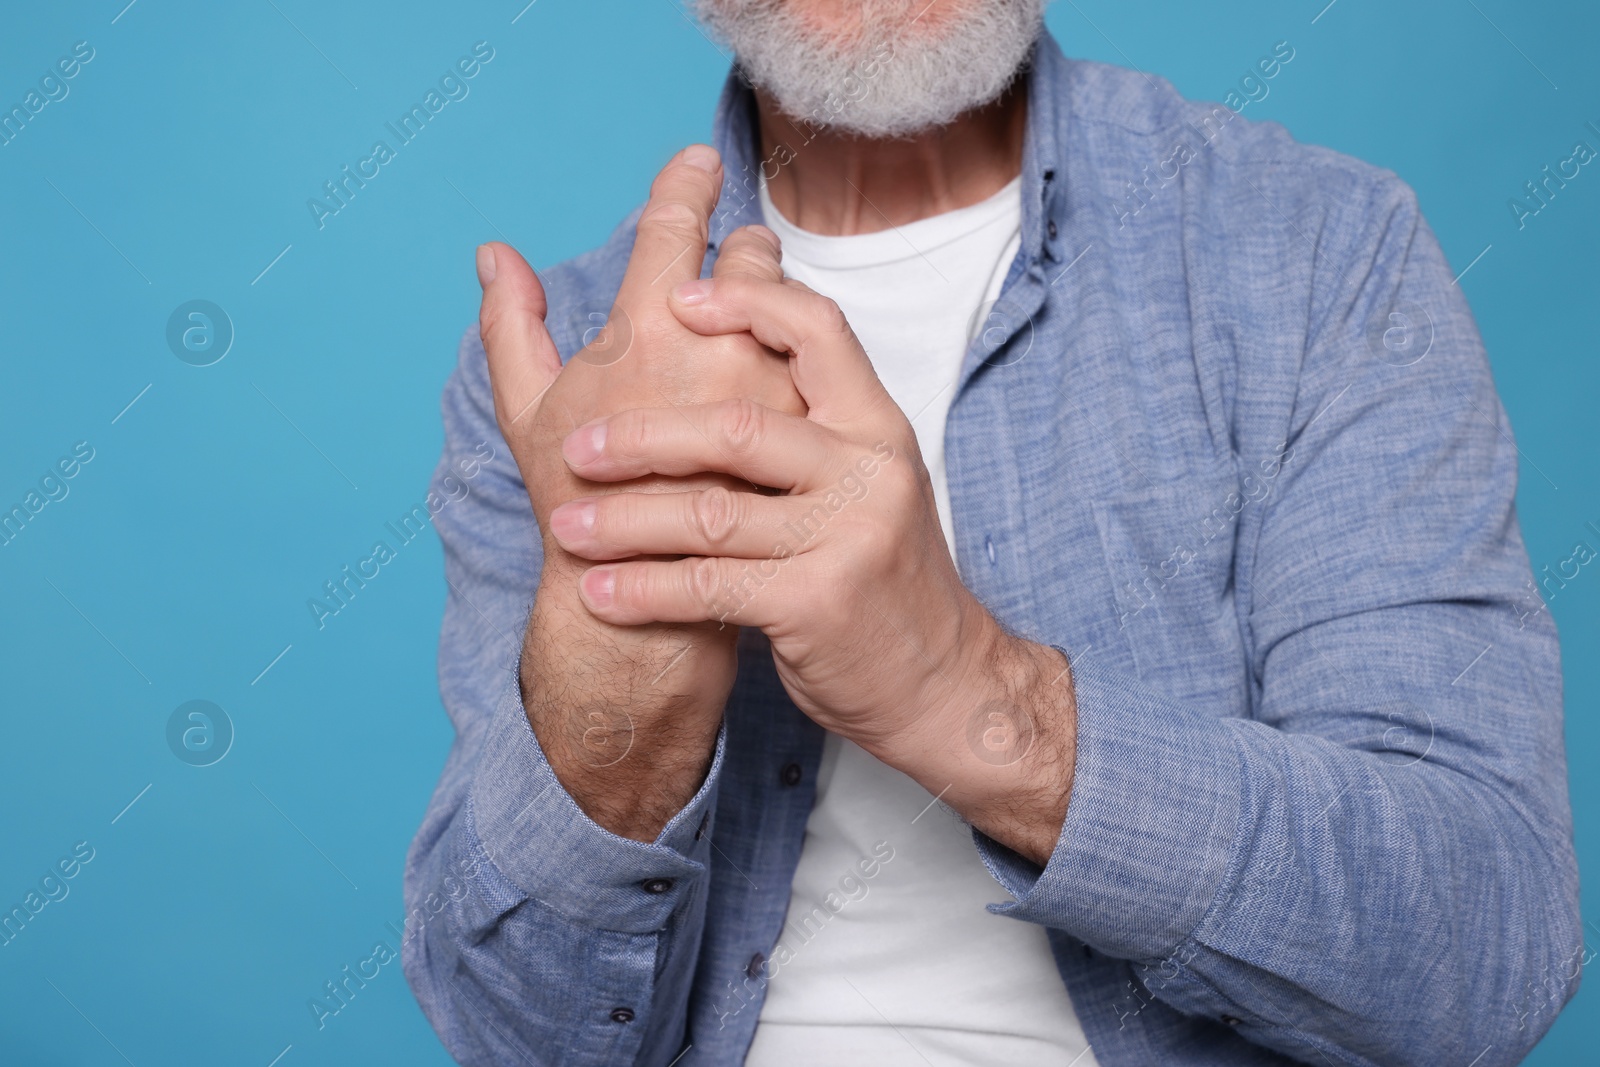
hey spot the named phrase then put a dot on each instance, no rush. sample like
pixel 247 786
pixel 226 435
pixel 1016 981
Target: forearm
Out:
pixel 626 716
pixel 998 743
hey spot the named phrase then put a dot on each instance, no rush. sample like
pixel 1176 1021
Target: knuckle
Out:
pixel 488 318
pixel 904 494
pixel 491 322
pixel 680 178
pixel 628 435
pixel 703 585
pixel 520 434
pixel 745 260
pixel 631 588
pixel 674 217
pixel 750 248
pixel 830 317
pixel 730 351
pixel 615 517
pixel 716 515
pixel 743 425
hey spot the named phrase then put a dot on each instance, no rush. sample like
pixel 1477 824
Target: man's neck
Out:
pixel 839 184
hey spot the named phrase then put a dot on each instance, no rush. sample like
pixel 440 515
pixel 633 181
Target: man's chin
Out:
pixel 884 79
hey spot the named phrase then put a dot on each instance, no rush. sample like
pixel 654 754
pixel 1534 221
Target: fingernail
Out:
pixel 574 520
pixel 767 235
pixel 585 444
pixel 703 156
pixel 599 586
pixel 485 265
pixel 692 293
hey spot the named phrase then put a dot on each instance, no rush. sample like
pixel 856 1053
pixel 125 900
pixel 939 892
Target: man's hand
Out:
pixel 627 715
pixel 873 632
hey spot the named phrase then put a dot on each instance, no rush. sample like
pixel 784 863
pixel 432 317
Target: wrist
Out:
pixel 1000 747
pixel 626 716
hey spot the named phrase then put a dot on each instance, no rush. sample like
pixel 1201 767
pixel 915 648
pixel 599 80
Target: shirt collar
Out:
pixel 735 136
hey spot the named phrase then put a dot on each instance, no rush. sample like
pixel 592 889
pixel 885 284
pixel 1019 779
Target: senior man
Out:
pixel 1068 609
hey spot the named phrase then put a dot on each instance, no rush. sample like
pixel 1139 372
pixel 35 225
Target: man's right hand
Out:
pixel 627 716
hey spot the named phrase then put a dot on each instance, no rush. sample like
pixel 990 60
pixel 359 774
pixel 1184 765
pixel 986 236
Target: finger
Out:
pixel 670 239
pixel 753 251
pixel 737 437
pixel 831 370
pixel 707 522
pixel 697 589
pixel 523 360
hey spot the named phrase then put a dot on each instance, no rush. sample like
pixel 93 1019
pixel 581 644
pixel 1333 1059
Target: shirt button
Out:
pixel 753 968
pixel 1050 228
pixel 988 545
pixel 790 775
pixel 656 885
pixel 1231 1020
pixel 705 821
pixel 622 1015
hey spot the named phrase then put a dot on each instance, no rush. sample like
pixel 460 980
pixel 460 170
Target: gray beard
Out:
pixel 891 76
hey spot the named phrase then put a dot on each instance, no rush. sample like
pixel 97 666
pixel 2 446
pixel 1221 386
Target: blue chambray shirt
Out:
pixel 1229 439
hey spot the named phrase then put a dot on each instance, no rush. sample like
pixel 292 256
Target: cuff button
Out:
pixel 622 1015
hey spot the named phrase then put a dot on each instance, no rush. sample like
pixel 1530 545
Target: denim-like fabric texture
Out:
pixel 1320 809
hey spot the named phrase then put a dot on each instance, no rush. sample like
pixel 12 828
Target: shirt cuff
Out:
pixel 535 834
pixel 1151 827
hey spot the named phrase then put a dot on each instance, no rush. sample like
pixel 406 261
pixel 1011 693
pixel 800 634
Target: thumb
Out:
pixel 523 361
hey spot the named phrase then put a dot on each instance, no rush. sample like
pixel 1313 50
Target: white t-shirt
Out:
pixel 888 956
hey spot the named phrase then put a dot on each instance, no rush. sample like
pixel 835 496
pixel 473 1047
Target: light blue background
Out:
pixel 180 564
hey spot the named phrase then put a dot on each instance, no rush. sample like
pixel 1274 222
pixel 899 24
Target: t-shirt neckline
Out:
pixel 895 243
